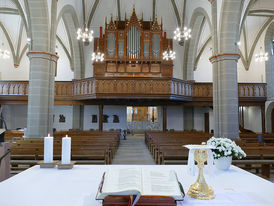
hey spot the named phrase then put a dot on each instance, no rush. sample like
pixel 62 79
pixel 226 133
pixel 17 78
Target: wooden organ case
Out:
pixel 133 48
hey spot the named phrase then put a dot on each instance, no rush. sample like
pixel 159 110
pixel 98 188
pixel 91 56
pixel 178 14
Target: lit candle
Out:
pixel 48 149
pixel 66 147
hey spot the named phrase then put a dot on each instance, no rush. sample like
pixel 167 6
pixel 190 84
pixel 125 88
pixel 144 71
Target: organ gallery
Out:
pixel 133 48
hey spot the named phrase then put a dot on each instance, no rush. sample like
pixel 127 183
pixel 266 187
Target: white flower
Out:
pixel 225 147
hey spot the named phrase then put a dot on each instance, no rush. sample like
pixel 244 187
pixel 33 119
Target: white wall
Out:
pixel 88 50
pixel 252 119
pixel 15 116
pixel 175 117
pixel 67 112
pixel 109 110
pixel 7 69
pixel 90 110
pixel 199 121
pixel 203 73
pixel 64 72
pixel 178 62
pixel 256 70
pixel 120 111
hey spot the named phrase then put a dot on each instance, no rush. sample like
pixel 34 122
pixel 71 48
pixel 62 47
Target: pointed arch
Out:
pixel 269 66
pixel 268 117
pixel 69 16
pixel 9 40
pixel 197 22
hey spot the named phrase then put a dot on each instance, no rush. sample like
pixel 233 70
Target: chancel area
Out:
pixel 95 89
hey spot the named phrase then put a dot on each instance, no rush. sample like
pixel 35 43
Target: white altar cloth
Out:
pixel 78 187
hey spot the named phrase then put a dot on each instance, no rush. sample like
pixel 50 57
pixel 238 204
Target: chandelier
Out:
pixel 182 34
pixel 261 57
pixel 4 54
pixel 84 34
pixel 97 56
pixel 169 54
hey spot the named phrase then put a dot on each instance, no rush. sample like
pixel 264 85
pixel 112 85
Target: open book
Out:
pixel 140 182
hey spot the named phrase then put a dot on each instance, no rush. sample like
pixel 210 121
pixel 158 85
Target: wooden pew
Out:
pixel 86 148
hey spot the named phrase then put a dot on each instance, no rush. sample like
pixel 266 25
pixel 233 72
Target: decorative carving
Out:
pixel 133 20
pixel 155 26
pixel 129 49
pixel 111 26
pixel 116 119
pixel 105 118
pixel 94 118
pixel 128 87
pixel 62 118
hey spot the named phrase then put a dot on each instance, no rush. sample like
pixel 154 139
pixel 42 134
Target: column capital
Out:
pixel 43 55
pixel 224 56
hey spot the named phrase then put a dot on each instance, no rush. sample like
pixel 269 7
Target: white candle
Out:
pixel 48 149
pixel 66 147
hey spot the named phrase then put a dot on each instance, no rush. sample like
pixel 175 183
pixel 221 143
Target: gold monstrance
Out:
pixel 200 189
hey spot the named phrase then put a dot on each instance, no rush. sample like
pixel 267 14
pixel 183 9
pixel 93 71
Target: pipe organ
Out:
pixel 133 48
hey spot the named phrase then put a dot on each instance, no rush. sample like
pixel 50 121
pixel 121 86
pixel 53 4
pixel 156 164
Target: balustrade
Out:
pixel 14 87
pixel 252 90
pixel 144 87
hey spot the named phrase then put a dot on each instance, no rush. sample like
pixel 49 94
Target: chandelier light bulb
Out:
pixel 84 34
pixel 4 54
pixel 261 57
pixel 169 55
pixel 180 34
pixel 97 56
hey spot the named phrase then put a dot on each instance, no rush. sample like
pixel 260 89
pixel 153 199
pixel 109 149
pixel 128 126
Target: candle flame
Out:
pixel 48 135
pixel 66 135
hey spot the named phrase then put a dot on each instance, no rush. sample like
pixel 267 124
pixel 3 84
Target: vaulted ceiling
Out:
pixel 14 19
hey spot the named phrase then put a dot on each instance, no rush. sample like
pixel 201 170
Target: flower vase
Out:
pixel 223 163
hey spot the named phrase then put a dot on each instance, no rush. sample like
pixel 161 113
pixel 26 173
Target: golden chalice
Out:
pixel 200 189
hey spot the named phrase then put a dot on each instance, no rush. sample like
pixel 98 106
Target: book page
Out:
pixel 161 183
pixel 127 179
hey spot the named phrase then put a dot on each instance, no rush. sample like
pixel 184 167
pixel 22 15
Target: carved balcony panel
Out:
pixel 203 90
pixel 63 89
pixel 131 88
pixel 14 88
pixel 127 87
pixel 252 90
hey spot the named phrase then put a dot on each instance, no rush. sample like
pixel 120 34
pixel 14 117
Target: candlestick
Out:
pixel 48 149
pixel 66 149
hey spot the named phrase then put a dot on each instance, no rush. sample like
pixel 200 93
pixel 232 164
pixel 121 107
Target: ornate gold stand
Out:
pixel 200 190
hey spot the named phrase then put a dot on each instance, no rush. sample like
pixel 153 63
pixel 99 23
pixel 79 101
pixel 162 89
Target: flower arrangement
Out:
pixel 224 148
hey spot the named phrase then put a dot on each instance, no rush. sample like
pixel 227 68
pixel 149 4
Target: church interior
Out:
pixel 132 81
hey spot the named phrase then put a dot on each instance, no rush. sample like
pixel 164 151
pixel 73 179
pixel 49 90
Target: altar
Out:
pixel 78 187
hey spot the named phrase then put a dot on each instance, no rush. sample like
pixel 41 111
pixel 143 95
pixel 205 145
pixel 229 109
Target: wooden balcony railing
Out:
pixel 131 88
pixel 252 90
pixel 63 89
pixel 14 88
pixel 245 90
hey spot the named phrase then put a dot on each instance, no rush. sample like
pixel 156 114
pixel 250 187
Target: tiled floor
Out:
pixel 133 151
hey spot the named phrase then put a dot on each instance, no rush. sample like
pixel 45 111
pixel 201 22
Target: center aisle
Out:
pixel 133 151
